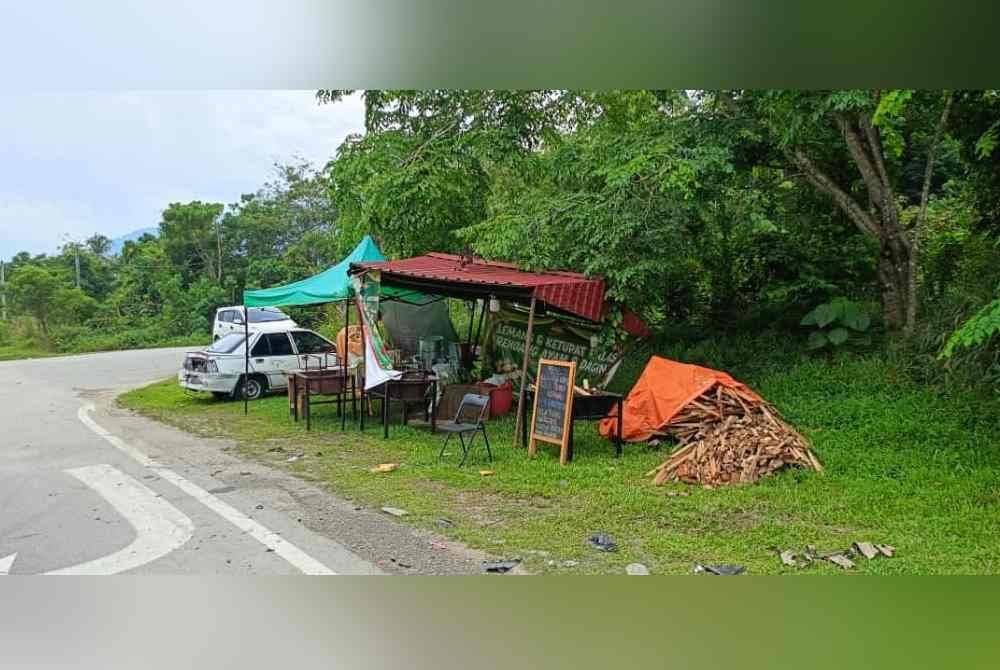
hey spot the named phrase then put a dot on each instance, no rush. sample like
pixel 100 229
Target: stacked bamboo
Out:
pixel 727 436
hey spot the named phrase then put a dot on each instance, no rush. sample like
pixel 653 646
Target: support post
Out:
pixel 3 290
pixel 467 358
pixel 479 332
pixel 246 359
pixel 521 418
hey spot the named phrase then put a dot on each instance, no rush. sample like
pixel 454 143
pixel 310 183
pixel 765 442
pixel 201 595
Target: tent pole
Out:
pixel 246 358
pixel 347 329
pixel 521 418
pixel 479 331
pixel 467 362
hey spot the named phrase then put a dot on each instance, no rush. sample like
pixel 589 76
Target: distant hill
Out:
pixel 118 243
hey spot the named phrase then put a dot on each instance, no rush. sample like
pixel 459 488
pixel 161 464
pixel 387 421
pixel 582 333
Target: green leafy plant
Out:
pixel 976 332
pixel 837 323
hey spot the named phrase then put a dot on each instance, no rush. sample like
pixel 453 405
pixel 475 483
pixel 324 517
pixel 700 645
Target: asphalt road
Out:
pixel 88 488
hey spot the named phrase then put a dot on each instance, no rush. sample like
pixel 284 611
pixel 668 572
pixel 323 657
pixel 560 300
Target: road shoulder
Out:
pixel 370 534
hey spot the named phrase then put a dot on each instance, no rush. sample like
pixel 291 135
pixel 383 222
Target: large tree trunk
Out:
pixel 897 262
pixel 897 284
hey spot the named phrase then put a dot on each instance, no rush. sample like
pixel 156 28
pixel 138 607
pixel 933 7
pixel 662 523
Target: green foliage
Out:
pixel 977 331
pixel 33 291
pixel 836 323
pixel 191 236
pixel 686 202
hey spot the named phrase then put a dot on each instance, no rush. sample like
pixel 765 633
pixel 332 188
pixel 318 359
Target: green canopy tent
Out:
pixel 331 285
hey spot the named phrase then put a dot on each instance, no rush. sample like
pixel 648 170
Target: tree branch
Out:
pixel 865 164
pixel 931 155
pixel 875 147
pixel 862 219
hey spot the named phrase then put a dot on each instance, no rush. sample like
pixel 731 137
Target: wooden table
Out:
pixel 304 384
pixel 407 391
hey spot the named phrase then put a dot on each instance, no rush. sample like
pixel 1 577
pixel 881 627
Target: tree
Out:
pixel 192 237
pixel 99 245
pixel 33 290
pixel 833 138
pixel 288 229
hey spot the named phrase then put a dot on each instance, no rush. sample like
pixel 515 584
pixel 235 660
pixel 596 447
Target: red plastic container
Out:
pixel 501 399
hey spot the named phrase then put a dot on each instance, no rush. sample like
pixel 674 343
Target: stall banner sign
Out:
pixel 378 365
pixel 552 337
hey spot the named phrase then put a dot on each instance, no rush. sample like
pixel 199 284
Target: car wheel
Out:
pixel 252 389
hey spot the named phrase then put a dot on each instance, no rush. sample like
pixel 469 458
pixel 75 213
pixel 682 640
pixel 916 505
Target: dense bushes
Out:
pixel 706 212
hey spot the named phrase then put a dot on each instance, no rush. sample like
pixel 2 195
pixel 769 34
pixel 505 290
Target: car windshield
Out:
pixel 227 344
pixel 265 314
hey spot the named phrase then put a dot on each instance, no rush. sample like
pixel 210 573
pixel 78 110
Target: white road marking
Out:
pixel 159 526
pixel 6 563
pixel 282 547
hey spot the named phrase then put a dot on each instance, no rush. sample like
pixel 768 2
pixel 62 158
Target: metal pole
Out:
pixel 524 375
pixel 3 290
pixel 246 358
pixel 76 247
pixel 479 332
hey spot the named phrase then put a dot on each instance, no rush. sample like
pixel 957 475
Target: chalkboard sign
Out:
pixel 553 406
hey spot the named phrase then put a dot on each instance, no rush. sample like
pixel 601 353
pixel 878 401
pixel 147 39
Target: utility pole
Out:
pixel 3 291
pixel 76 247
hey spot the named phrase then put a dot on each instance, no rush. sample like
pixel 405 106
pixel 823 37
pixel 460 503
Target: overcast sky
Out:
pixel 82 163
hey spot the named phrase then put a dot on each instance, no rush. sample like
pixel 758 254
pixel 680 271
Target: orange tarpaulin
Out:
pixel 663 389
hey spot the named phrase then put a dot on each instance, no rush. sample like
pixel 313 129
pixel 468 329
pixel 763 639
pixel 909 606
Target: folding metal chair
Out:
pixel 463 424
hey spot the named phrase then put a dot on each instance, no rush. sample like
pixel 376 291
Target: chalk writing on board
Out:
pixel 553 395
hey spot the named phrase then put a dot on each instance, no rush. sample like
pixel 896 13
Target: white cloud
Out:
pixel 91 162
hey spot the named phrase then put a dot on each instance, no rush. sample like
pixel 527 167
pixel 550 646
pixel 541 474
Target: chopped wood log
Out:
pixel 727 436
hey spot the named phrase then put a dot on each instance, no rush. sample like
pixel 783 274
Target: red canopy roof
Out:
pixel 435 272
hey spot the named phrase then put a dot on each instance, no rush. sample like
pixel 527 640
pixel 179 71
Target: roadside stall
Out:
pixel 545 298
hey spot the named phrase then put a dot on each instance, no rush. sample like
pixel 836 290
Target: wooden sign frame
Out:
pixel 568 414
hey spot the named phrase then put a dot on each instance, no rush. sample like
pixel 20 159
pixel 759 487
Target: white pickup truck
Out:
pixel 219 369
pixel 265 319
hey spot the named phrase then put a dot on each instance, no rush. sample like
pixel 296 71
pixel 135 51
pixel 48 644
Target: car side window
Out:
pixel 310 343
pixel 261 348
pixel 225 316
pixel 280 344
pixel 236 316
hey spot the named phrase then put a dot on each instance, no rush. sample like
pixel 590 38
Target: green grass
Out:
pixel 904 466
pixel 15 352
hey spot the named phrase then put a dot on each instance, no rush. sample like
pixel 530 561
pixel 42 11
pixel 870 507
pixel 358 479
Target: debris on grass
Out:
pixel 729 436
pixel 788 558
pixel 840 559
pixel 500 567
pixel 725 569
pixel 602 542
pixel 866 549
pixel 487 473
pixel 636 569
pixel 843 558
pixel 395 511
pixel 886 550
pixel 384 467
pixel 298 456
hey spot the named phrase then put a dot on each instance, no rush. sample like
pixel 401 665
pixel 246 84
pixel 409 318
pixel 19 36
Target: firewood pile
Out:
pixel 727 436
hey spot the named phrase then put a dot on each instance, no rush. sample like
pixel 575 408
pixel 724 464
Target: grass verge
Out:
pixel 16 352
pixel 905 466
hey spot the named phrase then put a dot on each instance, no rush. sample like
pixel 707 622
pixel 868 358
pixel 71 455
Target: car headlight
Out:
pixel 212 367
